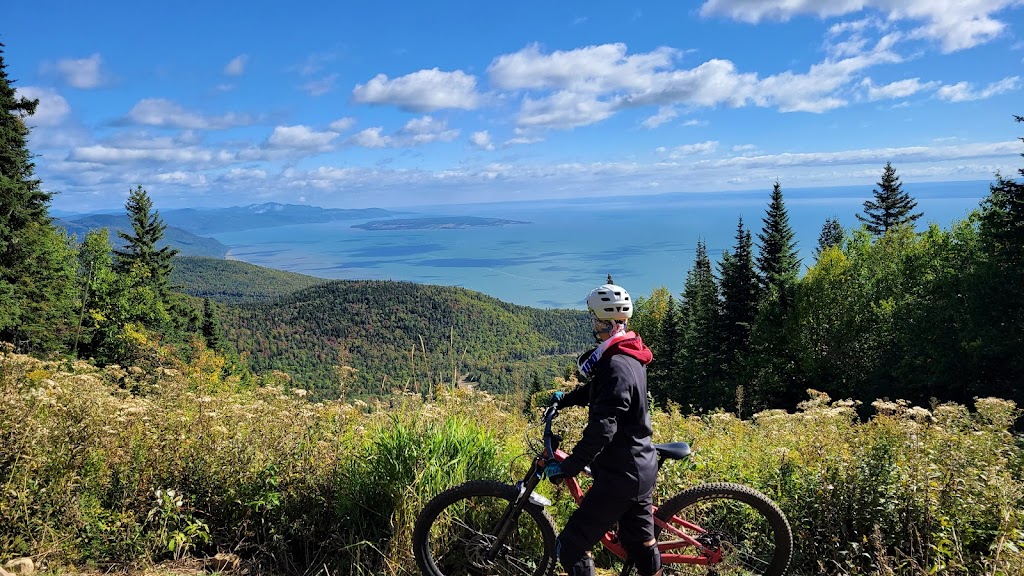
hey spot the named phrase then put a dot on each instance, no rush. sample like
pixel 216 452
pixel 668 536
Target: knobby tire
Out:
pixel 754 534
pixel 454 529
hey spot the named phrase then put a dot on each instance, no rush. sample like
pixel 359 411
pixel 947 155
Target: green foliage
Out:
pixel 95 474
pixel 892 207
pixel 832 234
pixel 403 336
pixel 777 260
pixel 234 281
pixel 151 266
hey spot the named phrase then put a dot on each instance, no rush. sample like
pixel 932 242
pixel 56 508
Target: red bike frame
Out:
pixel 676 526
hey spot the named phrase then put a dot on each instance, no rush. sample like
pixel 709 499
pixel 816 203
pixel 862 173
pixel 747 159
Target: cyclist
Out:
pixel 616 442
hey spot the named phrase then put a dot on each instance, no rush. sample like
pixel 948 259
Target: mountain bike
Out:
pixel 484 527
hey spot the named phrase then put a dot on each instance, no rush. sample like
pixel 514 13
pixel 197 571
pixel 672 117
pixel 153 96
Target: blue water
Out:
pixel 570 246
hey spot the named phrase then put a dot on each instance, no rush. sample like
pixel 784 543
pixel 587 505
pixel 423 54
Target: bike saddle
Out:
pixel 673 451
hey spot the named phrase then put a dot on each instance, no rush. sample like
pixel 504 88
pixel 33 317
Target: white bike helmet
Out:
pixel 610 302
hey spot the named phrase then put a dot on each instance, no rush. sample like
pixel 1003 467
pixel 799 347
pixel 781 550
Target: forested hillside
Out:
pixel 399 335
pixel 234 281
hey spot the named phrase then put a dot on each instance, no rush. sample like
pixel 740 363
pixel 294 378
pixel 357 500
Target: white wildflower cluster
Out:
pixel 889 408
pixel 724 417
pixel 770 415
pixel 918 414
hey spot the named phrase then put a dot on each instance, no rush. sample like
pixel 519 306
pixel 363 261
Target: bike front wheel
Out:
pixel 741 531
pixel 455 534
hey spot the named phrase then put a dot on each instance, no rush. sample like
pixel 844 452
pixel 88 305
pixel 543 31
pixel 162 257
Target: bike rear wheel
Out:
pixel 751 532
pixel 455 531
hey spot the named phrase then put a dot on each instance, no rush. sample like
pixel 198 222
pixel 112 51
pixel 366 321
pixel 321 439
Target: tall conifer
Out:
pixel 892 205
pixel 37 269
pixel 832 234
pixel 740 294
pixel 140 256
pixel 777 262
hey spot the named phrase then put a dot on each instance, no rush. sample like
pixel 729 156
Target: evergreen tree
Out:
pixel 1002 234
pixel 891 207
pixel 700 327
pixel 36 261
pixel 740 295
pixel 140 257
pixel 777 261
pixel 211 327
pixel 832 234
pixel 22 201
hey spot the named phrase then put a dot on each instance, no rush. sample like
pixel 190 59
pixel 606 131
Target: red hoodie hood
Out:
pixel 633 347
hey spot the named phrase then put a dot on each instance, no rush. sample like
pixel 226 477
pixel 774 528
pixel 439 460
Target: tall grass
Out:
pixel 118 467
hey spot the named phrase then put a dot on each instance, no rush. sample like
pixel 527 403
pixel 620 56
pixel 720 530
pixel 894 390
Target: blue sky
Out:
pixel 392 104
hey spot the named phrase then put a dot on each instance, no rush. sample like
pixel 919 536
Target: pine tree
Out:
pixel 777 261
pixel 740 295
pixel 891 207
pixel 140 256
pixel 832 234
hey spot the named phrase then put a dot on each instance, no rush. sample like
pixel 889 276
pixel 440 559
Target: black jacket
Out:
pixel 616 442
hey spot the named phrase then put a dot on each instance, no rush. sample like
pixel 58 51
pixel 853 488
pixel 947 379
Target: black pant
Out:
pixel 602 506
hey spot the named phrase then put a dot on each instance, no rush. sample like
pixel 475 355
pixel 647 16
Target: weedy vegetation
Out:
pixel 122 468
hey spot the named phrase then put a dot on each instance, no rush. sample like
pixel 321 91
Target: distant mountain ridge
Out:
pixel 205 221
pixel 187 243
pixel 188 229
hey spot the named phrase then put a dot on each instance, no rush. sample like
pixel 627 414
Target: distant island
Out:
pixel 435 223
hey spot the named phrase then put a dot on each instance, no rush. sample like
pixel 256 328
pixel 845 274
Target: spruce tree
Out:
pixel 832 234
pixel 140 257
pixel 701 357
pixel 1000 284
pixel 22 201
pixel 777 261
pixel 37 268
pixel 891 207
pixel 211 327
pixel 740 295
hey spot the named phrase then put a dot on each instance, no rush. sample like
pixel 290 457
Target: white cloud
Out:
pixel 867 156
pixel 564 110
pixel 898 89
pixel 742 148
pixel 955 24
pixel 236 67
pixel 689 149
pixel 481 140
pixel 161 112
pixel 182 178
pixel 585 86
pixel 593 69
pixel 240 174
pixel 320 86
pixel 371 138
pixel 964 91
pixel 102 154
pixel 695 122
pixel 342 124
pixel 422 91
pixel 665 114
pixel 300 138
pixel 426 129
pixel 82 73
pixel 52 108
